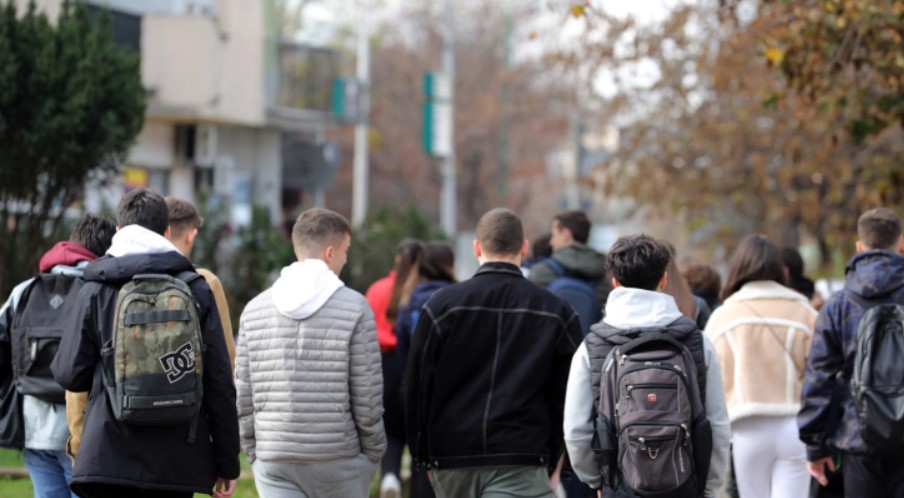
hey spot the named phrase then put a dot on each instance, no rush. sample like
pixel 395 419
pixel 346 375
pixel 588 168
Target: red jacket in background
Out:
pixel 378 295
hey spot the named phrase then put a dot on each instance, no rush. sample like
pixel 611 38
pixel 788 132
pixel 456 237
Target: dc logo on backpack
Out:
pixel 178 363
pixel 152 365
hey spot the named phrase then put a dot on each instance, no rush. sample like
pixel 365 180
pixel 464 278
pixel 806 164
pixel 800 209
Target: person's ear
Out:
pixel 327 254
pixel 663 282
pixel 524 248
pixel 901 246
pixel 859 247
pixel 190 236
pixel 167 232
pixel 615 283
pixel 478 251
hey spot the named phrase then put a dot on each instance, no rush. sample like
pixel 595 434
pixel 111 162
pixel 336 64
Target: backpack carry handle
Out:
pixel 650 337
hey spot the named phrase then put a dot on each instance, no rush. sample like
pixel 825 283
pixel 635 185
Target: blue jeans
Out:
pixel 50 472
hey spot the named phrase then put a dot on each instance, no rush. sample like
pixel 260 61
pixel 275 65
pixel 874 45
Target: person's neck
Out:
pixel 512 260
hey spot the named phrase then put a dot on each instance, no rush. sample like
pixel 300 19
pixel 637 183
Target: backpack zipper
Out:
pixel 631 387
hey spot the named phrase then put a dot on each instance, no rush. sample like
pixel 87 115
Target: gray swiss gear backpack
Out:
pixel 653 435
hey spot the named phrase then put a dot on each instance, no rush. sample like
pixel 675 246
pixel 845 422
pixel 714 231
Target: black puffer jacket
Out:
pixel 157 458
pixel 487 373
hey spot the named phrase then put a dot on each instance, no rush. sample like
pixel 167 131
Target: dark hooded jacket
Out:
pixel 153 458
pixel 876 276
pixel 578 261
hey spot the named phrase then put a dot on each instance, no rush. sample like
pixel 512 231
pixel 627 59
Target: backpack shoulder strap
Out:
pixel 188 276
pixel 860 300
pixel 557 267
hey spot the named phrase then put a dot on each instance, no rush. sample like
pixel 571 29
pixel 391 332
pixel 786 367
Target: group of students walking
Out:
pixel 583 375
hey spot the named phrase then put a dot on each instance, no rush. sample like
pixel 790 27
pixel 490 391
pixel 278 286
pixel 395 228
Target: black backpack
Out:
pixel 43 310
pixel 877 384
pixel 653 436
pixel 579 293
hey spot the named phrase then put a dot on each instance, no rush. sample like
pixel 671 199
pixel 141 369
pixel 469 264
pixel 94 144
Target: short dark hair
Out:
pixel 756 258
pixel 879 228
pixel 94 233
pixel 540 247
pixel 703 280
pixel 793 261
pixel 500 232
pixel 318 227
pixel 143 207
pixel 182 216
pixel 638 261
pixel 577 223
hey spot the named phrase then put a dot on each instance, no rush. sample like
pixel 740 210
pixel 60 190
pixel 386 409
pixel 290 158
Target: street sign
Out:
pixel 437 125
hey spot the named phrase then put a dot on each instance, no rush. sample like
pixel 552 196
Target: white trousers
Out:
pixel 770 460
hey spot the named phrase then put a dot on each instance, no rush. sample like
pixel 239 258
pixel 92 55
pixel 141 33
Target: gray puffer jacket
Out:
pixel 308 375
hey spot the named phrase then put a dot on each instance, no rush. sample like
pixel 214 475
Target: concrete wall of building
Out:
pixel 207 68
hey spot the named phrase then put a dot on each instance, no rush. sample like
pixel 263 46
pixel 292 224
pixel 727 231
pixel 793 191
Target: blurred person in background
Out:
pixel 385 297
pixel 762 333
pixel 796 278
pixel 690 304
pixel 539 251
pixel 704 282
pixel 569 232
pixel 435 271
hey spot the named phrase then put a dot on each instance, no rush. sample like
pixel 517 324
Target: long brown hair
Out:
pixel 406 257
pixel 677 287
pixel 756 258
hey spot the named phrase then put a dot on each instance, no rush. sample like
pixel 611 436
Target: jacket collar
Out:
pixel 765 289
pixel 499 267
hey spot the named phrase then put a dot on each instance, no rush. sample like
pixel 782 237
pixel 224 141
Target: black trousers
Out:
pixel 873 476
pixel 393 416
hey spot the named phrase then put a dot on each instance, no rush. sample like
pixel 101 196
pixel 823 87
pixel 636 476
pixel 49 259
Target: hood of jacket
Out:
pixel 582 261
pixel 630 310
pixel 423 291
pixel 304 287
pixel 135 239
pixel 874 274
pixel 65 253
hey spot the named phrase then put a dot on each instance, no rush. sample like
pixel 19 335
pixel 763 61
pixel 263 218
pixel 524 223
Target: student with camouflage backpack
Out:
pixel 32 410
pixel 147 343
pixel 645 393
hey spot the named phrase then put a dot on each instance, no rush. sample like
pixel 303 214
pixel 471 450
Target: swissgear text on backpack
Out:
pixel 877 384
pixel 152 365
pixel 653 435
pixel 44 308
pixel 577 292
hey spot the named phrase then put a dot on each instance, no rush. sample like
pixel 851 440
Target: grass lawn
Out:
pixel 21 488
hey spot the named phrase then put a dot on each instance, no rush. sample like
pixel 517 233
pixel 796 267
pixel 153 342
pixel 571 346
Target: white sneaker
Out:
pixel 390 487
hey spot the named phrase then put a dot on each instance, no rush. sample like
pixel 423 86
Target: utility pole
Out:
pixel 359 187
pixel 448 205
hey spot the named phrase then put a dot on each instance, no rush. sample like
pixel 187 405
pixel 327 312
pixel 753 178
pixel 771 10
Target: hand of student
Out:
pixel 223 488
pixel 817 469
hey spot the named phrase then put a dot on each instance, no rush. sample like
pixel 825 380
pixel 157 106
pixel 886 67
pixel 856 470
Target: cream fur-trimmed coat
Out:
pixel 762 334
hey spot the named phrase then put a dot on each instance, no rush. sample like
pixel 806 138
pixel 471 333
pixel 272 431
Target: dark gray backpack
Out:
pixel 877 384
pixel 653 435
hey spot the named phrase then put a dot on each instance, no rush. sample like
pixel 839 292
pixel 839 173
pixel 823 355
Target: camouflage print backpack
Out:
pixel 152 365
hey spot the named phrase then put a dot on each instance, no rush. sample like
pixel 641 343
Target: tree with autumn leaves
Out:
pixel 782 118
